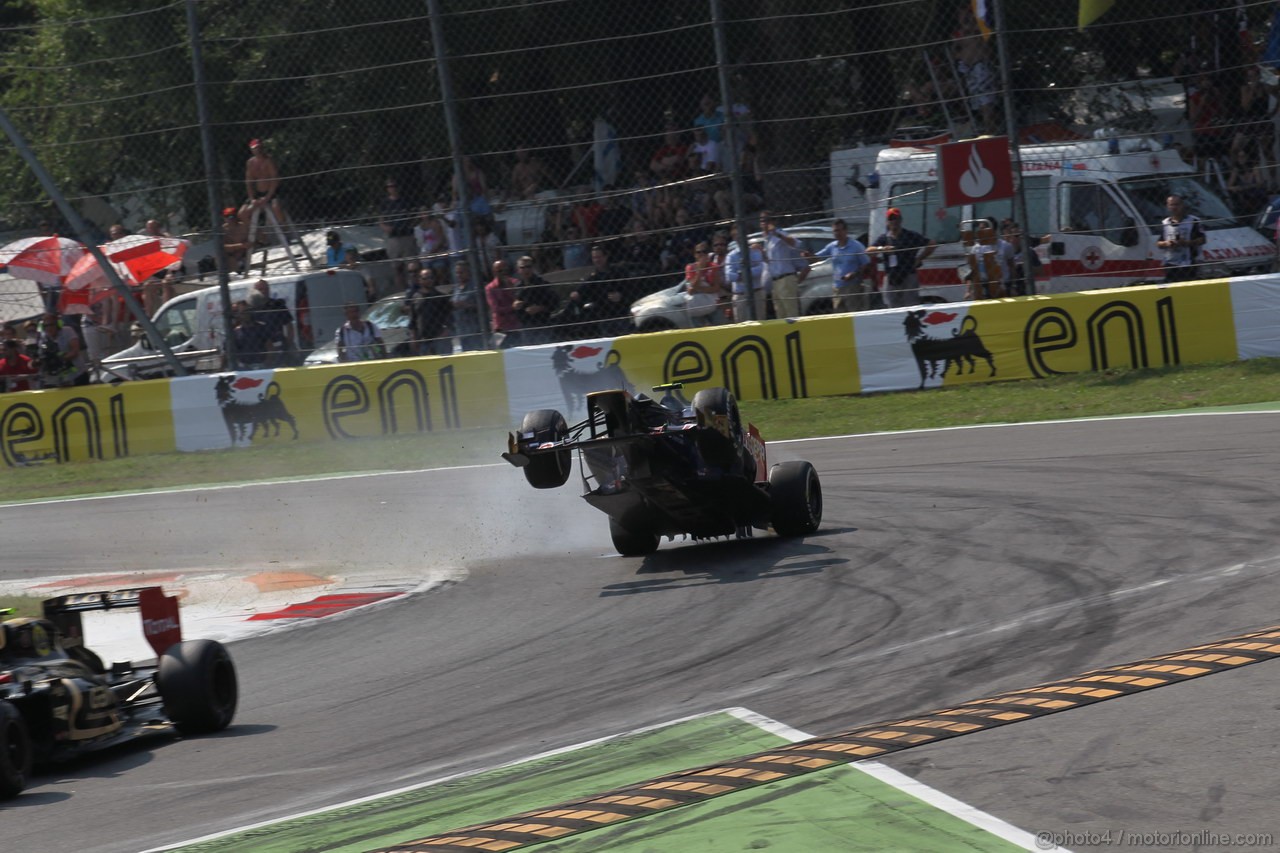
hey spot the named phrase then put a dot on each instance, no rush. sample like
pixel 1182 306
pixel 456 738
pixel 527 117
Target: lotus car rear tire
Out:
pixel 15 752
pixel 796 494
pixel 197 682
pixel 547 470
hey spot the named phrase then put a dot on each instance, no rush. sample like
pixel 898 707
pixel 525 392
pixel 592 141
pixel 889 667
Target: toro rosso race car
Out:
pixel 58 700
pixel 662 468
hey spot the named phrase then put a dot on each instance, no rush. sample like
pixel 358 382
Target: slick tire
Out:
pixel 547 470
pixel 197 682
pixel 15 752
pixel 796 495
pixel 632 543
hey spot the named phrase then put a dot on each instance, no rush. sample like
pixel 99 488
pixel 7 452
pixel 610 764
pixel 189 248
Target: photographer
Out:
pixel 16 370
pixel 62 360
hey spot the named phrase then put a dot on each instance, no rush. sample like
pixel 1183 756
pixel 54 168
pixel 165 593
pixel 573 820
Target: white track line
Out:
pixel 889 776
pixel 443 779
pixel 943 802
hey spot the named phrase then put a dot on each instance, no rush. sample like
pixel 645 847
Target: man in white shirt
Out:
pixel 785 267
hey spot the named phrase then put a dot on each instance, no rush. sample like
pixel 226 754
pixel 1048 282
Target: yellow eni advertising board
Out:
pixel 90 422
pixel 813 357
pixel 944 345
pixel 340 401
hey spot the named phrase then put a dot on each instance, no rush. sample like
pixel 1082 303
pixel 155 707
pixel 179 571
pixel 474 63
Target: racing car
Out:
pixel 58 699
pixel 666 468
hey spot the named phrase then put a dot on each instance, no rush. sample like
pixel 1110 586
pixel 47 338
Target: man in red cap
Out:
pixel 900 252
pixel 262 184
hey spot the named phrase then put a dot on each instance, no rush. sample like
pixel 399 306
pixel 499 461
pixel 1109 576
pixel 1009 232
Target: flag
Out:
pixel 983 16
pixel 1092 10
pixel 606 156
pixel 1271 53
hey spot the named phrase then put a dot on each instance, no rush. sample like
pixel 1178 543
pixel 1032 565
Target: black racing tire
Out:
pixel 547 470
pixel 15 752
pixel 632 543
pixel 197 682
pixel 656 324
pixel 720 401
pixel 723 454
pixel 796 494
pixel 820 307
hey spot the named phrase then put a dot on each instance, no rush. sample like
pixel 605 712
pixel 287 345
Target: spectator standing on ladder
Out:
pixel 262 185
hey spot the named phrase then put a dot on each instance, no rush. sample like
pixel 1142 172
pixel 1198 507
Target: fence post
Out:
pixel 455 146
pixel 735 164
pixel 210 172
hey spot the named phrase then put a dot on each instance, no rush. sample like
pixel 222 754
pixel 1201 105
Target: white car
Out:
pixel 391 315
pixel 664 309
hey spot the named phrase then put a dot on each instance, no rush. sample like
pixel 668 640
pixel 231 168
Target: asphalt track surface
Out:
pixel 951 565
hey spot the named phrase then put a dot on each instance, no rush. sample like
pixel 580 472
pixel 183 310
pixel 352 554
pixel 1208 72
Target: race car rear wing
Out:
pixel 161 623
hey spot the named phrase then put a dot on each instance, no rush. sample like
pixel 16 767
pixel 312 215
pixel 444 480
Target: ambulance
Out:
pixel 1094 209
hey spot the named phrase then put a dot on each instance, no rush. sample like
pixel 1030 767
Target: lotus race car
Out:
pixel 57 699
pixel 662 468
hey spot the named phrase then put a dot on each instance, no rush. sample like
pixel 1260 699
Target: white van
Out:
pixel 192 324
pixel 1101 202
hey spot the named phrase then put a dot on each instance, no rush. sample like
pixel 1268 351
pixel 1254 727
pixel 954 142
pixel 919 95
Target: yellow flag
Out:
pixel 1092 10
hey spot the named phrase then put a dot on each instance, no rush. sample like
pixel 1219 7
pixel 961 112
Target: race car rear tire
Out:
pixel 197 682
pixel 796 495
pixel 547 470
pixel 632 543
pixel 15 752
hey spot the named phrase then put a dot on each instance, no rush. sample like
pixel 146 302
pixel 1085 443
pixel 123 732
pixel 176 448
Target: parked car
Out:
pixel 391 315
pixel 1266 222
pixel 665 309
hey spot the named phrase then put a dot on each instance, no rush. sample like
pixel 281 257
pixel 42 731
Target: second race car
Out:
pixel 58 699
pixel 667 468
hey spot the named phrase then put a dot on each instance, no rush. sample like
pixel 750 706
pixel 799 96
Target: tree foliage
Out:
pixel 347 93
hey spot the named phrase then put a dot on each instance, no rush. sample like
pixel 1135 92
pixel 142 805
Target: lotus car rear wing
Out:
pixel 161 623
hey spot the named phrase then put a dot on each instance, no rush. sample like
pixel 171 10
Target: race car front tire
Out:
pixel 547 470
pixel 723 451
pixel 632 543
pixel 796 495
pixel 197 682
pixel 15 752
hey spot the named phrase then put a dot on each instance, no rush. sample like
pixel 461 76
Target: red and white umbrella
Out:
pixel 135 258
pixel 85 282
pixel 43 259
pixel 144 255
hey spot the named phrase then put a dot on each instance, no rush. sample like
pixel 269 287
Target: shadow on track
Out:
pixel 731 561
pixel 113 761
